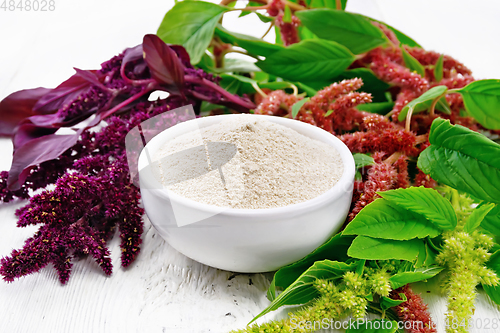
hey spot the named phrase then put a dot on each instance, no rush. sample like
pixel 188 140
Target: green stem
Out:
pixel 408 119
pixel 250 8
pixel 434 102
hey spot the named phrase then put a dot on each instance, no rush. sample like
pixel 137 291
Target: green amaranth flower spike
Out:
pixel 465 255
pixel 336 301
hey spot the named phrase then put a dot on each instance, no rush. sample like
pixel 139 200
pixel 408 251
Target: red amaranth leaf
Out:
pixel 61 95
pixel 36 151
pixel 18 106
pixel 163 63
pixel 182 54
pixel 130 55
pixel 91 77
pixel 28 131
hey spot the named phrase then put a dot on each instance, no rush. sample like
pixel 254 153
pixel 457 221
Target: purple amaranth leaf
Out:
pixel 164 64
pixel 130 55
pixel 62 95
pixel 28 131
pixel 182 54
pixel 17 106
pixel 36 151
pixel 91 77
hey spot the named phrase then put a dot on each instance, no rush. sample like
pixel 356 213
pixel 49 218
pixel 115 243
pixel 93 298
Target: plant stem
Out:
pixel 126 102
pixel 393 158
pixel 338 4
pixel 295 89
pixel 294 6
pixel 420 139
pixel 257 88
pixel 250 8
pixel 433 105
pixel 268 30
pixel 209 84
pixel 390 114
pixel 408 119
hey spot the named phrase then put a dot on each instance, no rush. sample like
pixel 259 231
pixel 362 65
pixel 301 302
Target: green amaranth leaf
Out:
pixel 297 106
pixel 308 60
pixel 419 274
pixel 412 64
pixel 236 65
pixel 287 16
pixel 383 219
pixel 264 18
pixel 378 108
pixel 309 90
pixel 438 69
pixel 237 84
pixel 426 257
pixel 387 303
pixel 250 4
pixel 351 30
pixel 491 223
pixel 494 291
pixel 206 63
pixel 404 39
pixel 325 4
pixel 482 101
pixel 364 247
pixel 302 290
pixel 371 84
pixel 362 160
pixel 474 220
pixel 191 24
pixel 426 202
pixel 373 326
pixel 253 45
pixel 462 159
pixel 334 249
pixel 423 102
pixel 305 33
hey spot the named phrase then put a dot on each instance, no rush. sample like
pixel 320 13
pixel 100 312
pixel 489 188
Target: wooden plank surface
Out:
pixel 163 291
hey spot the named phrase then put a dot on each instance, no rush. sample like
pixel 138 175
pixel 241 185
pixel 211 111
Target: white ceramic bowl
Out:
pixel 245 240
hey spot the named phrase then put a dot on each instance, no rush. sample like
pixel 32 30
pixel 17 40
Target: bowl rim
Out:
pixel 342 187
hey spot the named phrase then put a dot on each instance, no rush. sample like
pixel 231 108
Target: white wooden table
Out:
pixel 163 291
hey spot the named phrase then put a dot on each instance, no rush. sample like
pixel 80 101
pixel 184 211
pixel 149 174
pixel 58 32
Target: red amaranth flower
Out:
pixel 382 176
pixel 405 96
pixel 421 179
pixel 328 94
pixel 389 141
pixel 275 7
pixel 456 82
pixel 387 32
pixel 288 30
pixel 413 311
pixel 277 103
pixel 451 67
pixel 401 165
pixel 387 66
pixel 399 75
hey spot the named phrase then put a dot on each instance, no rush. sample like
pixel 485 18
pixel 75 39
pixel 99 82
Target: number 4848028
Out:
pixel 28 5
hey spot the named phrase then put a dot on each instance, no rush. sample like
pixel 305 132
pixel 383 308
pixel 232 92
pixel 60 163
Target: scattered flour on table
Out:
pixel 263 165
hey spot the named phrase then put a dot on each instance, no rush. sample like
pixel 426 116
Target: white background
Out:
pixel 165 291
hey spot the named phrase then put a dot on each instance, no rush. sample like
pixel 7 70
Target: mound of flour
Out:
pixel 248 163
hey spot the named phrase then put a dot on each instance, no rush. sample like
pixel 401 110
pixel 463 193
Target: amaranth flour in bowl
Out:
pixel 246 162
